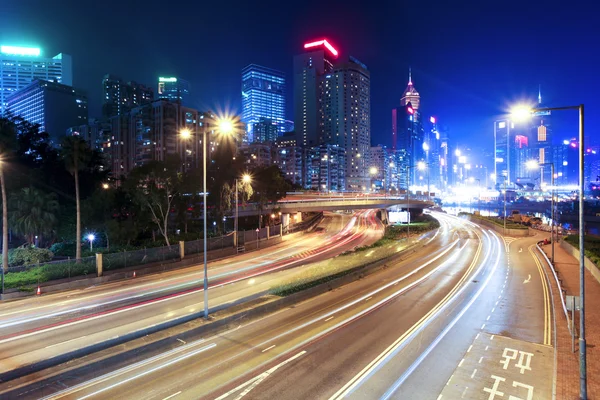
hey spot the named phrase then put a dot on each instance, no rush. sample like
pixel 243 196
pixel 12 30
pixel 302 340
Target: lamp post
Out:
pixel 245 179
pixel 478 195
pixel 527 112
pixel 91 237
pixel 426 148
pixel 225 126
pixel 532 164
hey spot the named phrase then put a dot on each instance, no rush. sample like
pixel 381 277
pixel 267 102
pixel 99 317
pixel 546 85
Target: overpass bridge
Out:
pixel 334 203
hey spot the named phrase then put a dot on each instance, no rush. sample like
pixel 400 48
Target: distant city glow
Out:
pixel 163 79
pixel 324 43
pixel 20 51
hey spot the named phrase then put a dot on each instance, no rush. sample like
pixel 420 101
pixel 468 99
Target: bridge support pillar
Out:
pixel 285 221
pixel 268 232
pixel 298 217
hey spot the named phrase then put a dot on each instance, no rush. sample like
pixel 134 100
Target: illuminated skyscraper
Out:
pixel 174 89
pixel 263 99
pixel 19 66
pixel 347 118
pixel 407 132
pixel 54 106
pixel 310 70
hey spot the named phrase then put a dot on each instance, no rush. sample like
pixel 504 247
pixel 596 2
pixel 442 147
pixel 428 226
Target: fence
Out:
pixel 18 276
pixel 33 274
pixel 112 261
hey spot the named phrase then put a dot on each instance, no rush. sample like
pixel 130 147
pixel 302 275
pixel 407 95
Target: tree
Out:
pixel 154 186
pixel 76 154
pixel 33 213
pixel 269 186
pixel 7 145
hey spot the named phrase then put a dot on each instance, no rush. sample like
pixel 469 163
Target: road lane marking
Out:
pixel 268 348
pixel 129 368
pixel 329 319
pixel 258 378
pixel 545 290
pixel 474 372
pixel 469 349
pixel 397 345
pixel 171 396
pixel 181 341
pixel 368 298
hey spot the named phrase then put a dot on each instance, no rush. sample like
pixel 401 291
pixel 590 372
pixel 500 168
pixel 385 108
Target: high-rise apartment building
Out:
pixel 54 106
pixel 263 98
pixel 265 131
pixel 19 66
pixel 310 71
pixel 325 168
pixel 347 118
pixel 174 89
pixel 120 97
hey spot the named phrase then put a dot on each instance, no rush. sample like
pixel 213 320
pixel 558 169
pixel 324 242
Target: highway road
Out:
pixel 467 317
pixel 41 328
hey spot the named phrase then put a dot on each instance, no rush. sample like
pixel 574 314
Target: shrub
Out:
pixel 64 249
pixel 28 255
pixel 47 272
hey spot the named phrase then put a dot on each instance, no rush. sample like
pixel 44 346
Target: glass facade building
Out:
pixel 55 107
pixel 19 66
pixel 174 89
pixel 263 98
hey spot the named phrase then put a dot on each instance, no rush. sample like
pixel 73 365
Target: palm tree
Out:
pixel 77 154
pixel 33 213
pixel 8 137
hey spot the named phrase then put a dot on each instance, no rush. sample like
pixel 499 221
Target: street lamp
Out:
pixel 426 148
pixel 224 227
pixel 246 178
pixel 105 186
pixel 532 164
pixel 528 112
pixel 225 126
pixel 91 237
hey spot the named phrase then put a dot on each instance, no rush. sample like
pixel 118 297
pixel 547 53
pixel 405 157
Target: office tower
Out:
pixel 19 66
pixel 291 160
pixel 120 97
pixel 326 168
pixel 264 131
pixel 174 89
pixel 288 126
pixel 54 106
pixel 347 118
pixel 407 132
pixel 263 98
pixel 541 142
pixel 310 70
pixel 152 132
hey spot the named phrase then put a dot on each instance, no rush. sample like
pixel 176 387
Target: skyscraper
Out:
pixel 310 70
pixel 263 98
pixel 120 97
pixel 54 106
pixel 407 132
pixel 347 118
pixel 19 66
pixel 174 89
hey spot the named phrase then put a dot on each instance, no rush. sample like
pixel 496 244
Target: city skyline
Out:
pixel 450 76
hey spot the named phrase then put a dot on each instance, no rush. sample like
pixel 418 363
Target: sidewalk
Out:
pixel 567 382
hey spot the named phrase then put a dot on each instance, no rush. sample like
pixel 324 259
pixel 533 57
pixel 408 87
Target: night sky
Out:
pixel 470 60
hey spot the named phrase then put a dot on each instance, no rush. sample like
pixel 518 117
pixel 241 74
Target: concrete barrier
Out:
pixel 587 262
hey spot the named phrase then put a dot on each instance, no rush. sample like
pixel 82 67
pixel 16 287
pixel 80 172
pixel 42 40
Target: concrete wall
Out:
pixel 587 262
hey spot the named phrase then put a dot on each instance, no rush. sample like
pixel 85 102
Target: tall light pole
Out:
pixel 528 112
pixel 245 179
pixel 532 164
pixel 478 195
pixel 225 126
pixel 426 148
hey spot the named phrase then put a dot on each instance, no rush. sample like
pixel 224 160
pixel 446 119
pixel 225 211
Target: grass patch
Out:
pixel 592 246
pixel 348 262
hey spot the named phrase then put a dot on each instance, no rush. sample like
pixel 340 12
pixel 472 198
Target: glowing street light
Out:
pixel 91 237
pixel 105 186
pixel 373 170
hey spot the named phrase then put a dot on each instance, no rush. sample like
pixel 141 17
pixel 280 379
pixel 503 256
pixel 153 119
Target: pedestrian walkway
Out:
pixel 567 384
